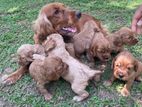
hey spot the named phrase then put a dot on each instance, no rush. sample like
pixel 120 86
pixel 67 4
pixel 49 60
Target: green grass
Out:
pixel 16 17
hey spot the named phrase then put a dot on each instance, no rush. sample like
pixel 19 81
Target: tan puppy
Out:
pixel 46 70
pixel 122 37
pixel 24 53
pixel 78 74
pixel 126 68
pixel 82 41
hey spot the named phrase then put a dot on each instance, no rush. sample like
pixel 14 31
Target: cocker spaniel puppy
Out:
pixel 127 68
pixel 100 48
pixel 78 73
pixel 25 58
pixel 83 40
pixel 46 70
pixel 122 37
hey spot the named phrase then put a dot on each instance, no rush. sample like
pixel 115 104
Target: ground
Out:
pixel 16 17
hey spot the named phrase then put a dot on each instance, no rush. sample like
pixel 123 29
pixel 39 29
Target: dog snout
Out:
pixel 78 14
pixel 120 74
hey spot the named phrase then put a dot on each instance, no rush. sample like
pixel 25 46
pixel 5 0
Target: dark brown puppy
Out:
pixel 126 68
pixel 122 37
pixel 46 70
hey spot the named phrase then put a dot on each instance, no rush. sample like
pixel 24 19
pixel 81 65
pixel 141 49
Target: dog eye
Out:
pixel 118 65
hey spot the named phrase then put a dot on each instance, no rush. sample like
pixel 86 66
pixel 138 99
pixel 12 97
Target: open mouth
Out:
pixel 69 29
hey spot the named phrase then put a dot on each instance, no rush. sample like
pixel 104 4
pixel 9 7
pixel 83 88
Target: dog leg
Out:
pixel 109 82
pixel 15 76
pixel 36 39
pixel 126 88
pixel 43 91
pixel 80 91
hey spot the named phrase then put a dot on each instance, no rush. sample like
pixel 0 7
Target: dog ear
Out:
pixel 113 62
pixel 42 26
pixel 30 56
pixel 136 65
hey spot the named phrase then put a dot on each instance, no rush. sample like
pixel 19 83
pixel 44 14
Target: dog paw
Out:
pixel 48 97
pixel 107 83
pixel 8 80
pixel 77 98
pixel 125 92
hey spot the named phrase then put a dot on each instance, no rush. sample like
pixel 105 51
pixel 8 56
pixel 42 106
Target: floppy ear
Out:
pixel 136 65
pixel 30 56
pixel 113 61
pixel 42 26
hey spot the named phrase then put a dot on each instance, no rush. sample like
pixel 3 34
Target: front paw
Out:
pixel 107 83
pixel 9 79
pixel 125 92
pixel 48 97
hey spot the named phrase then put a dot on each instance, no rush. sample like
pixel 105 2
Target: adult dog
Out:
pixel 57 18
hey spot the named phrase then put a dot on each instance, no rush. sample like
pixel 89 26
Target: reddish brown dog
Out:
pixel 122 37
pixel 126 68
pixel 56 17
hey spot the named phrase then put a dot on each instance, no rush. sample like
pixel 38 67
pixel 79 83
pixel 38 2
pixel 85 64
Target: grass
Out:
pixel 16 17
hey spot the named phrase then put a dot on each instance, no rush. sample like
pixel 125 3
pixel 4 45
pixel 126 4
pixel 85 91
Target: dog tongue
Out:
pixel 70 29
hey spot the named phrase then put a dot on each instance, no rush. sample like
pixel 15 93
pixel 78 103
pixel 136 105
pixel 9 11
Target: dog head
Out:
pixel 124 65
pixel 25 53
pixel 100 47
pixel 56 17
pixel 127 36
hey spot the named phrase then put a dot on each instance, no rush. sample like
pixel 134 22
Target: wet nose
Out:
pixel 78 14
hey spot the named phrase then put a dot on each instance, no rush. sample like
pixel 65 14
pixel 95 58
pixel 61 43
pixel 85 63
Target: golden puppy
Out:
pixel 100 48
pixel 46 70
pixel 83 40
pixel 78 73
pixel 122 37
pixel 126 68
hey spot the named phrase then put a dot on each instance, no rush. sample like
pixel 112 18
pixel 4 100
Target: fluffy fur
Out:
pixel 25 58
pixel 78 74
pixel 100 48
pixel 46 70
pixel 122 37
pixel 127 68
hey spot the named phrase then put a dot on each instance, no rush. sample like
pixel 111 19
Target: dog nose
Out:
pixel 78 14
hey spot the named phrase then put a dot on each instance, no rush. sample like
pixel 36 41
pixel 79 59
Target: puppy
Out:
pixel 83 40
pixel 25 58
pixel 100 48
pixel 46 70
pixel 78 73
pixel 24 53
pixel 126 68
pixel 122 37
pixel 70 48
